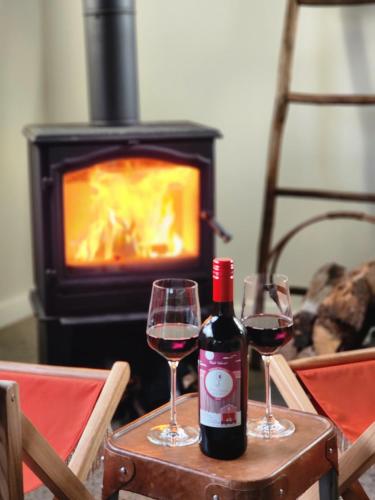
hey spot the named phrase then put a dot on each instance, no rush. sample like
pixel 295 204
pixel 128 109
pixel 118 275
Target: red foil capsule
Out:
pixel 222 279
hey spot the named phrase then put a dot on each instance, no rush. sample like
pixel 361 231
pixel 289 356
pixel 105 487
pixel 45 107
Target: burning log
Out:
pixel 338 311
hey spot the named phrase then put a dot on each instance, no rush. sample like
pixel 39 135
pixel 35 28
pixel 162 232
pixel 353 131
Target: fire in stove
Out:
pixel 128 211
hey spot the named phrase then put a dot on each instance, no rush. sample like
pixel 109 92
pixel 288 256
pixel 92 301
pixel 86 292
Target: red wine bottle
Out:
pixel 223 372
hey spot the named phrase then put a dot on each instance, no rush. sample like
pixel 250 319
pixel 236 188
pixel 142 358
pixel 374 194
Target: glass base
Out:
pixel 164 436
pixel 270 428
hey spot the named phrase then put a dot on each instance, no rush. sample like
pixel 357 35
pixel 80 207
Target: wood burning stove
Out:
pixel 115 208
pixel 115 204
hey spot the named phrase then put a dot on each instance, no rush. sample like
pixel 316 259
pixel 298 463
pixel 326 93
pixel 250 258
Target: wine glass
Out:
pixel 267 316
pixel 172 331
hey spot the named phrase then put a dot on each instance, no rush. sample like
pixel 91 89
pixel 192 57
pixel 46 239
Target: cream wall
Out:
pixel 21 102
pixel 215 62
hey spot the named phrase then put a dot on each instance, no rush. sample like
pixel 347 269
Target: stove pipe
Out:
pixel 112 61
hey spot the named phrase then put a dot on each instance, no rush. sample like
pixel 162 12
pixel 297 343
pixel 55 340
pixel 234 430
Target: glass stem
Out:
pixel 173 421
pixel 266 361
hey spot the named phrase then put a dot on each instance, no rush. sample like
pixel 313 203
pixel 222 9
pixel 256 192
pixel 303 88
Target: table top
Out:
pixel 264 460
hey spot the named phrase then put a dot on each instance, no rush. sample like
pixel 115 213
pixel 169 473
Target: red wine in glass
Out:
pixel 268 332
pixel 174 341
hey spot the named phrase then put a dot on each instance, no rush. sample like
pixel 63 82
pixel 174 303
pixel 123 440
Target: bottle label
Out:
pixel 220 388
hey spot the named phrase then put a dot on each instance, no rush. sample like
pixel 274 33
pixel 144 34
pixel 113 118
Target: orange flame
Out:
pixel 129 211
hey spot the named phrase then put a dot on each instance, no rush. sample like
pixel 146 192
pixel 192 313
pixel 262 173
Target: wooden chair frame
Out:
pixel 19 439
pixel 361 454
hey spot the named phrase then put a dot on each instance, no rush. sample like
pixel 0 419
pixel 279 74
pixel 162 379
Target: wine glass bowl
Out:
pixel 172 330
pixel 267 317
pixel 267 333
pixel 174 341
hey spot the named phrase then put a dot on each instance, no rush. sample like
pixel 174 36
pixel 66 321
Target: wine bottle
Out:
pixel 223 372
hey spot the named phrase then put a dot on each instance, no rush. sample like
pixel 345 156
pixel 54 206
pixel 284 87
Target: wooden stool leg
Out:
pixel 355 492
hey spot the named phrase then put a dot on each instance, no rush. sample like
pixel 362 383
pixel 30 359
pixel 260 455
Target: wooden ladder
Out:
pixel 284 97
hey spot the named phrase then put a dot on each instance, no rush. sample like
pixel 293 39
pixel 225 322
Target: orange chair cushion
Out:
pixel 345 393
pixel 59 407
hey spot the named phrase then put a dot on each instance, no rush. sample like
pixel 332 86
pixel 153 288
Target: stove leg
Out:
pixel 54 342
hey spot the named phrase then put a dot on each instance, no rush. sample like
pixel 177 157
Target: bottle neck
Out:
pixel 223 296
pixel 223 309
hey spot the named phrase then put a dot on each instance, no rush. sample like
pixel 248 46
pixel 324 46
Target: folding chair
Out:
pixel 340 386
pixel 62 393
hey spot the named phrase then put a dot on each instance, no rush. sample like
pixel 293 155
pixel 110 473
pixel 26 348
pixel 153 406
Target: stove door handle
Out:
pixel 215 226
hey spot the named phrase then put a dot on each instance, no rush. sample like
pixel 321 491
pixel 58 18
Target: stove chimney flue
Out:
pixel 112 61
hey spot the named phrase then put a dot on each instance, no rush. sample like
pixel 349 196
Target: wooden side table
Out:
pixel 270 469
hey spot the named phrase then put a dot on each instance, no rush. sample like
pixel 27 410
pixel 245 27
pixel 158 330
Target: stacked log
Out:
pixel 338 311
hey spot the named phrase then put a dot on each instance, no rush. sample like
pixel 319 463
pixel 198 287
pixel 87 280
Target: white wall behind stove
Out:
pixel 21 102
pixel 215 62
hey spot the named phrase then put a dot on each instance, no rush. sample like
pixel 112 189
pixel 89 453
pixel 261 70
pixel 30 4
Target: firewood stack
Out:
pixel 338 311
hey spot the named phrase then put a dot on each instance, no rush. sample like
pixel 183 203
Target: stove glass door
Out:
pixel 131 211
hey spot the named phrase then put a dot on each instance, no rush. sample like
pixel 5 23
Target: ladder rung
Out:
pixel 327 195
pixel 300 97
pixel 334 2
